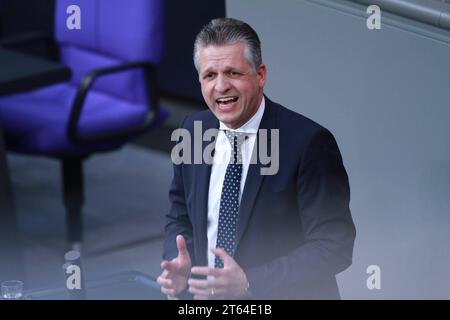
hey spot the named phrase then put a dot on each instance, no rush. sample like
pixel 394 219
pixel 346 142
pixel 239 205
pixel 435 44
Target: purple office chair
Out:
pixel 111 97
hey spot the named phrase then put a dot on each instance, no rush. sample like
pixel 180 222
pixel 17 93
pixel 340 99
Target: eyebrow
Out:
pixel 207 70
pixel 227 69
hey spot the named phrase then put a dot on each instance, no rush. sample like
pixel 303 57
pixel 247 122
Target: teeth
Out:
pixel 226 100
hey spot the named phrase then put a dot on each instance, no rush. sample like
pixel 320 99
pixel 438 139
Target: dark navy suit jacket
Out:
pixel 295 231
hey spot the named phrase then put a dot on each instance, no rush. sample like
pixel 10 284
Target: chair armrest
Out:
pixel 23 39
pixel 32 43
pixel 84 87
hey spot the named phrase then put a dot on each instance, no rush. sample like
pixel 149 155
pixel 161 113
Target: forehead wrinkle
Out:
pixel 220 57
pixel 218 64
pixel 225 67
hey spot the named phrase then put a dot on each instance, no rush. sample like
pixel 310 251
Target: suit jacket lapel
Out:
pixel 254 177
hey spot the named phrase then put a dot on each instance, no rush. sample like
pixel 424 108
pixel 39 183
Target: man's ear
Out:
pixel 262 74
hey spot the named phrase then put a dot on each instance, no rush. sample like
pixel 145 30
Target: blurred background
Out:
pixel 382 92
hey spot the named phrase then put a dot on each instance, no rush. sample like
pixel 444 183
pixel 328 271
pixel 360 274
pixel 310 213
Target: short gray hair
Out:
pixel 224 31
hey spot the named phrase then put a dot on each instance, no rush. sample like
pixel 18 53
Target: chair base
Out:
pixel 73 196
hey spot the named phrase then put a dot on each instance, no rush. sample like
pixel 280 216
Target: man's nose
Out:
pixel 222 84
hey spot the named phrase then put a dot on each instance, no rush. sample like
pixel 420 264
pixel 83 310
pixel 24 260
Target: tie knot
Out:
pixel 236 139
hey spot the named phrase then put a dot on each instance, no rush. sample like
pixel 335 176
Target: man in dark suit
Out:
pixel 234 230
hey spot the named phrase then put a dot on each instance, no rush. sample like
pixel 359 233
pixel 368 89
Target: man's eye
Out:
pixel 234 74
pixel 208 76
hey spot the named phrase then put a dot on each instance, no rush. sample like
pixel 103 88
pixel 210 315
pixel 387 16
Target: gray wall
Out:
pixel 385 94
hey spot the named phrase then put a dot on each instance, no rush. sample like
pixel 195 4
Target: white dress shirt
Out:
pixel 221 159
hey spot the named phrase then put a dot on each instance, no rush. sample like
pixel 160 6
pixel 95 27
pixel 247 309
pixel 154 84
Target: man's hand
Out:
pixel 175 275
pixel 228 283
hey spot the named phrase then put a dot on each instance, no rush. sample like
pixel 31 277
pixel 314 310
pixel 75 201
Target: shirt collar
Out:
pixel 252 125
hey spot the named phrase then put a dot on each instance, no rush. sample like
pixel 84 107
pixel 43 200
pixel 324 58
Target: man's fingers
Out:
pixel 222 254
pixel 181 245
pixel 206 271
pixel 198 291
pixel 164 282
pixel 201 284
pixel 207 294
pixel 169 292
pixel 169 266
pixel 201 294
pixel 165 264
pixel 164 274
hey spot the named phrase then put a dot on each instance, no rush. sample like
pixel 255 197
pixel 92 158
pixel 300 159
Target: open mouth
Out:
pixel 226 100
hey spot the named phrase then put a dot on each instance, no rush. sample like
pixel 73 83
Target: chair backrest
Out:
pixel 112 32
